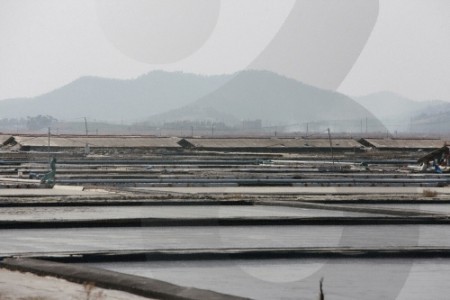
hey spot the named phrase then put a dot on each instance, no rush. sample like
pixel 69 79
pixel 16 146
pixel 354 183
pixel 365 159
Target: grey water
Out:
pixel 403 279
pixel 89 239
pixel 433 208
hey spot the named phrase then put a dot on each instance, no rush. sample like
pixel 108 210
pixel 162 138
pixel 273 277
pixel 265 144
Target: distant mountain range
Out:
pixel 276 100
pixel 399 113
pixel 116 100
pixel 160 97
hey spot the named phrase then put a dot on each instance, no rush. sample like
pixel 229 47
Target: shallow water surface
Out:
pixel 87 239
pixel 299 279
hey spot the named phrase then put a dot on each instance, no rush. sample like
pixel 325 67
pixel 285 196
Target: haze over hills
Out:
pixel 399 113
pixel 114 99
pixel 277 100
pixel 172 97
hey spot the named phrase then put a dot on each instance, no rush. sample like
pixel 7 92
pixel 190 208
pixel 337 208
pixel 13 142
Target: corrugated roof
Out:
pixel 230 143
pixel 405 143
pixel 320 143
pixel 100 142
pixel 271 143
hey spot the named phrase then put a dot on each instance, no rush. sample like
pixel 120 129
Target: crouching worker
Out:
pixel 49 178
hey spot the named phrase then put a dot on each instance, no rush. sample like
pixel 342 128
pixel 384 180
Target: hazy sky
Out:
pixel 408 51
pixel 48 43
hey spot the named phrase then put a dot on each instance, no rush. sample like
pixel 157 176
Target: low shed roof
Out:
pixel 271 143
pixel 320 143
pixel 405 143
pixel 98 142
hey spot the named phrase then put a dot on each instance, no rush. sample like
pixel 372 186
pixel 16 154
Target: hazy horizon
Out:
pixel 353 96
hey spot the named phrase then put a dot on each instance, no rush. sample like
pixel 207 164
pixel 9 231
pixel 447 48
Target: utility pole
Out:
pixel 307 129
pixel 410 125
pixel 331 146
pixel 85 125
pixel 366 125
pixel 48 148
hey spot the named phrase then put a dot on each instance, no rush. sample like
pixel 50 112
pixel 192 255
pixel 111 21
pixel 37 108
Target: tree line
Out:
pixel 31 123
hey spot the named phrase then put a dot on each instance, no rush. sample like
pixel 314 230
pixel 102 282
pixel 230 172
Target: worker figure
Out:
pixel 50 176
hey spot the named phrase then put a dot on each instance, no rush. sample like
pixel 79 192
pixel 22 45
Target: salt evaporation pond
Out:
pixel 404 279
pixel 194 211
pixel 88 239
pixel 433 208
